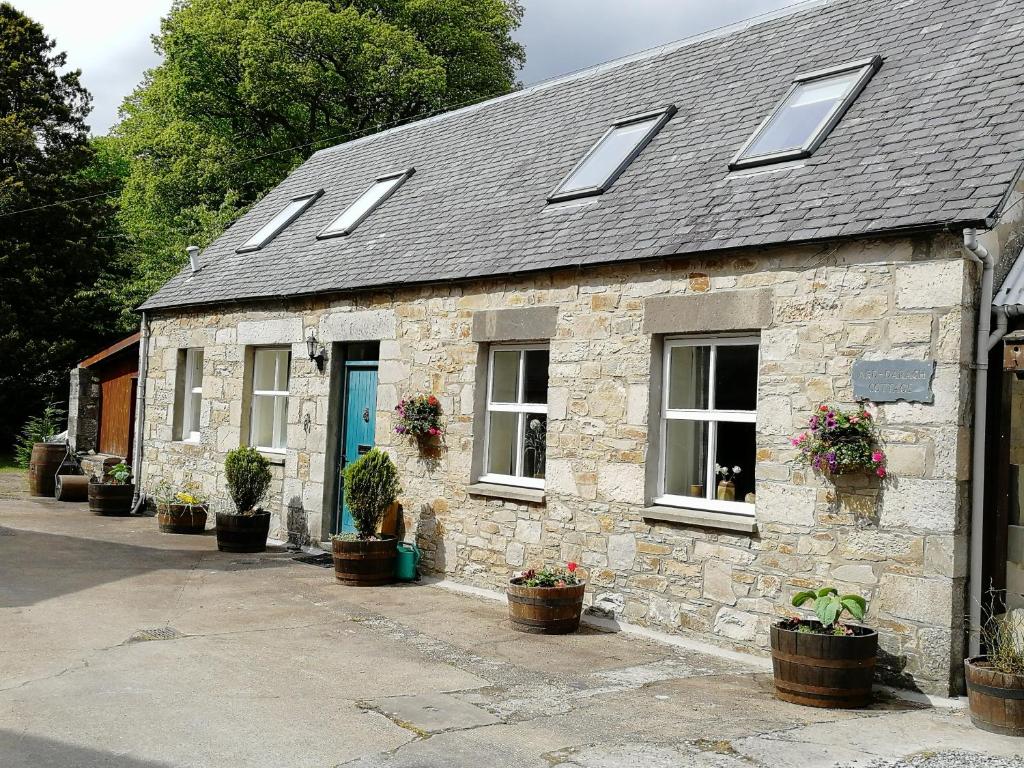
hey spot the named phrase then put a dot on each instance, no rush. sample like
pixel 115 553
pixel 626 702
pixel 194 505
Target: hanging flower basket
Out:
pixel 841 443
pixel 419 416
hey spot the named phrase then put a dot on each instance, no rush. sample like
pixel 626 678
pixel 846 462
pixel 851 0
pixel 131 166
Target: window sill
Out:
pixel 276 459
pixel 702 518
pixel 515 493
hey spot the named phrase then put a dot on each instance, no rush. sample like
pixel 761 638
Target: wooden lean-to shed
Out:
pixel 101 409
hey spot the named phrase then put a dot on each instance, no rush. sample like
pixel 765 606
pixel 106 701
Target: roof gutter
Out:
pixel 987 338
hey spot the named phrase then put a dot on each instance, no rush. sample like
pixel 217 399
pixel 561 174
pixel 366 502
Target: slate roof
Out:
pixel 936 139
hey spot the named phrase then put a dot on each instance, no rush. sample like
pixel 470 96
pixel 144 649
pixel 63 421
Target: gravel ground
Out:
pixel 954 759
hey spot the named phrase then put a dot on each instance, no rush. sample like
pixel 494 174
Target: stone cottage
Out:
pixel 618 281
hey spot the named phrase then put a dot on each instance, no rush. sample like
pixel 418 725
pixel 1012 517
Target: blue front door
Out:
pixel 360 414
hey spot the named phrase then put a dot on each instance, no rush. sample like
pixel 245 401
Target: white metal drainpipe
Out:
pixel 140 408
pixel 986 340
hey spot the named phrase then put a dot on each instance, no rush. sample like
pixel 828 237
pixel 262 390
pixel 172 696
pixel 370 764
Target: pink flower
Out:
pixel 880 471
pixel 878 457
pixel 854 420
pixel 434 431
pixel 823 408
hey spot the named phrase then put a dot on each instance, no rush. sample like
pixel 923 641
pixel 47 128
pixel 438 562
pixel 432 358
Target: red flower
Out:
pixel 432 400
pixel 571 567
pixel 823 408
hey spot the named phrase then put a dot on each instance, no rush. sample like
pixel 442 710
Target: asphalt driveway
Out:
pixel 126 648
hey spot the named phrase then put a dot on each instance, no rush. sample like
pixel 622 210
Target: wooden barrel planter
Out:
pixel 995 699
pixel 833 671
pixel 243 533
pixel 181 518
pixel 545 610
pixel 110 499
pixel 43 464
pixel 71 488
pixel 365 562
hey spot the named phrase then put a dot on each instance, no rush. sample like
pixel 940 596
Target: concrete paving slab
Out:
pixel 431 712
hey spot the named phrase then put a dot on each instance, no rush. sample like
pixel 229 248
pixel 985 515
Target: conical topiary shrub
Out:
pixel 245 529
pixel 371 487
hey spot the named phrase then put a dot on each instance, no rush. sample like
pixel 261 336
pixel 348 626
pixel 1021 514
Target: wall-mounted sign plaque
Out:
pixel 886 381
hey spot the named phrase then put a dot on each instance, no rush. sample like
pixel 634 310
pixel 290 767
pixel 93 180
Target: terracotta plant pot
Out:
pixel 365 562
pixel 545 610
pixel 243 533
pixel 830 671
pixel 995 699
pixel 182 518
pixel 110 499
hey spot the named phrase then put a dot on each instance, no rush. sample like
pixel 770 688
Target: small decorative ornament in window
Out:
pixel 419 416
pixel 841 443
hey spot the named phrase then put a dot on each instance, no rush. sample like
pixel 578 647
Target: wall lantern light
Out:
pixel 316 351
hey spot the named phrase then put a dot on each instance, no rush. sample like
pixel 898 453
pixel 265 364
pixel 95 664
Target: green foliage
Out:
pixel 248 89
pixel 830 606
pixel 841 442
pixel 371 486
pixel 550 577
pixel 248 475
pixel 51 243
pixel 36 430
pixel 119 474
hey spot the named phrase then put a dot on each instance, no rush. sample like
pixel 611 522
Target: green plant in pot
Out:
pixel 367 558
pixel 826 661
pixel 181 509
pixel 995 680
pixel 113 493
pixel 245 528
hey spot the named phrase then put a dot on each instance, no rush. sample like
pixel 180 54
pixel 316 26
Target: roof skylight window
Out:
pixel 611 155
pixel 816 102
pixel 381 189
pixel 276 225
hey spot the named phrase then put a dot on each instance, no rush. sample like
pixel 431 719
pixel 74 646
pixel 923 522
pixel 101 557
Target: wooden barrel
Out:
pixel 110 499
pixel 995 699
pixel 182 518
pixel 545 610
pixel 71 488
pixel 365 563
pixel 46 458
pixel 834 671
pixel 243 533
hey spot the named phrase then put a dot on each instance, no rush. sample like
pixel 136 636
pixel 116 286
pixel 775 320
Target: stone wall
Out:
pixel 84 410
pixel 900 543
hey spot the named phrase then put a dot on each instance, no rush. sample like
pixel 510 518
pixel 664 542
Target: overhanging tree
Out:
pixel 51 246
pixel 250 88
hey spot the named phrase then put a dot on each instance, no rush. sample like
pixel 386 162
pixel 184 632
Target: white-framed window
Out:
pixel 268 420
pixel 515 439
pixel 708 423
pixel 193 395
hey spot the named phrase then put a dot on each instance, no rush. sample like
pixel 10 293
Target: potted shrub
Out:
pixel 548 601
pixel 245 528
pixel 366 558
pixel 995 682
pixel 181 511
pixel 825 662
pixel 113 494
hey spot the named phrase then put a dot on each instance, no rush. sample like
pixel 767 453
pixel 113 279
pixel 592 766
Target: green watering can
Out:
pixel 408 559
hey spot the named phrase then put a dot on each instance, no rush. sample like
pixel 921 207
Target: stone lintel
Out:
pixel 525 324
pixel 702 518
pixel 285 330
pixel 368 325
pixel 710 312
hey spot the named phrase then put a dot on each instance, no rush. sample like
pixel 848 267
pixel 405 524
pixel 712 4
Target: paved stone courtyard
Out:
pixel 125 648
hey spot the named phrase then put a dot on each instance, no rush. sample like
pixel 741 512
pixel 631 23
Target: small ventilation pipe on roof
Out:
pixel 140 413
pixel 193 257
pixel 986 340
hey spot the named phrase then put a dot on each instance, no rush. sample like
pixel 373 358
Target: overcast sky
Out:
pixel 109 39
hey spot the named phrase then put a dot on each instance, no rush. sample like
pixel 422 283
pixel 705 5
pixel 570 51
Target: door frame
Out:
pixel 349 365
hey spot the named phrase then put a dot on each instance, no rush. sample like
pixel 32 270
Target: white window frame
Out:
pixel 304 201
pixel 868 68
pixel 711 416
pixel 275 393
pixel 189 435
pixel 520 408
pixel 396 179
